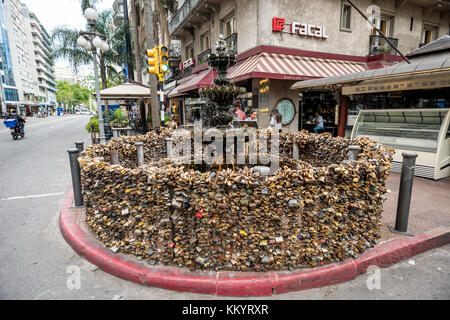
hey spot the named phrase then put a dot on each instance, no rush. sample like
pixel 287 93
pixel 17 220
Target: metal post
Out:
pixel 99 105
pixel 80 146
pixel 169 147
pixel 296 152
pixel 161 102
pixel 114 157
pixel 353 152
pixel 404 194
pixel 76 176
pixel 140 153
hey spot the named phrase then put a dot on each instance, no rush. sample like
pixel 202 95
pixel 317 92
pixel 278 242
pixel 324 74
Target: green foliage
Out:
pixel 65 45
pixel 71 94
pixel 119 119
pixel 166 118
pixel 94 121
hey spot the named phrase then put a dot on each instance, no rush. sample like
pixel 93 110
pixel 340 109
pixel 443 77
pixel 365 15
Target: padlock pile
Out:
pixel 313 211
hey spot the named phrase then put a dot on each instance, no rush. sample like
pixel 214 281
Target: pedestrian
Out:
pixel 276 120
pixel 252 116
pixel 239 113
pixel 318 121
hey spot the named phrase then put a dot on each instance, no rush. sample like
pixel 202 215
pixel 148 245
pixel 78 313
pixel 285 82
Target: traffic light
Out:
pixel 153 61
pixel 163 61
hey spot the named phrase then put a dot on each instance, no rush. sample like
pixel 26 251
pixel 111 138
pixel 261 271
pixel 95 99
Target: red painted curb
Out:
pixel 243 283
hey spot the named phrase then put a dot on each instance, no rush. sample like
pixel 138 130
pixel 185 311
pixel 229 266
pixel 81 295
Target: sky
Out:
pixel 52 13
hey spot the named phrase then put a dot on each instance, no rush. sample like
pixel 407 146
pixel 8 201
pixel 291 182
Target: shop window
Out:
pixel 346 15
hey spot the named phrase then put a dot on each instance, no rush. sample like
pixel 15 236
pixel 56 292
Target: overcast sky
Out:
pixel 52 13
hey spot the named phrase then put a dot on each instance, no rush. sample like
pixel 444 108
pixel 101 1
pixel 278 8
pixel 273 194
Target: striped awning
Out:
pixel 290 67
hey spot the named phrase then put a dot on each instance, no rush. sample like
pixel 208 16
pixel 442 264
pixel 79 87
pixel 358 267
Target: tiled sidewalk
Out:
pixel 430 205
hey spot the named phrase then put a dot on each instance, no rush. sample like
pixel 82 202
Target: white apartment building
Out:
pixel 44 64
pixel 65 73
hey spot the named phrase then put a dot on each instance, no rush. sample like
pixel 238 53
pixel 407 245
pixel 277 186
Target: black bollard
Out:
pixel 80 146
pixel 76 176
pixel 404 194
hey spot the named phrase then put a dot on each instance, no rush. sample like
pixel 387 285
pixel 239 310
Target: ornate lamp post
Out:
pixel 91 41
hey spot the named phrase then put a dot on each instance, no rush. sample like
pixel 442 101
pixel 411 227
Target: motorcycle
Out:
pixel 17 129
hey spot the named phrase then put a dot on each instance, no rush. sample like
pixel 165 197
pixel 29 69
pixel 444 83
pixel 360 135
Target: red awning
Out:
pixel 201 80
pixel 291 67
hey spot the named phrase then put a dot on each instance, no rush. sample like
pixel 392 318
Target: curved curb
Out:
pixel 244 283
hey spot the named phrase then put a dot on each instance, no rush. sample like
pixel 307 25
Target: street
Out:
pixel 35 175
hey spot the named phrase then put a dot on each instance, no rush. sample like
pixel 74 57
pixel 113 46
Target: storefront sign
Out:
pixel 187 63
pixel 264 93
pixel 300 28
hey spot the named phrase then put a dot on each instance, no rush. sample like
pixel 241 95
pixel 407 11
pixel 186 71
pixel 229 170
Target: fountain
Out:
pixel 225 214
pixel 220 97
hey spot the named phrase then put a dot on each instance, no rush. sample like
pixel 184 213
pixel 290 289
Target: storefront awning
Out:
pixel 422 67
pixel 291 67
pixel 203 79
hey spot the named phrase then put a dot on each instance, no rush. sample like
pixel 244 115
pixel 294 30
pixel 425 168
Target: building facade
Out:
pixel 65 73
pixel 44 64
pixel 10 92
pixel 280 42
pixel 28 79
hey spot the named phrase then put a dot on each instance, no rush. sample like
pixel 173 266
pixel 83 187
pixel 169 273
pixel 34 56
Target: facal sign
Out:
pixel 302 29
pixel 186 64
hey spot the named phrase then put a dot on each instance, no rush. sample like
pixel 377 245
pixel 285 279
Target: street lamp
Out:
pixel 91 41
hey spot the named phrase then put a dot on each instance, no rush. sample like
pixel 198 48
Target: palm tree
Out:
pixel 88 4
pixel 65 46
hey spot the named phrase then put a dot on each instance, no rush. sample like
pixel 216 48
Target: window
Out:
pixel 11 95
pixel 346 16
pixel 429 34
pixel 204 41
pixel 385 25
pixel 228 26
pixel 190 51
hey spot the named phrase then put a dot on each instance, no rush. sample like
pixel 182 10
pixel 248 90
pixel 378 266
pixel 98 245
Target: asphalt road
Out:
pixel 36 262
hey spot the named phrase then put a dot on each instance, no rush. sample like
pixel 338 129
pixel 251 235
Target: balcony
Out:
pixel 378 45
pixel 193 13
pixel 203 57
pixel 231 41
pixel 182 13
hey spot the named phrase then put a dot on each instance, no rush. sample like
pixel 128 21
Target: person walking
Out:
pixel 276 120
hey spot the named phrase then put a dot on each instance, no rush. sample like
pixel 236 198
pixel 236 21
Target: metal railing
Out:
pixel 202 57
pixel 378 45
pixel 231 41
pixel 182 14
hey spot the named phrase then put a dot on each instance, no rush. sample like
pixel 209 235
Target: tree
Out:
pixel 88 4
pixel 72 94
pixel 65 46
